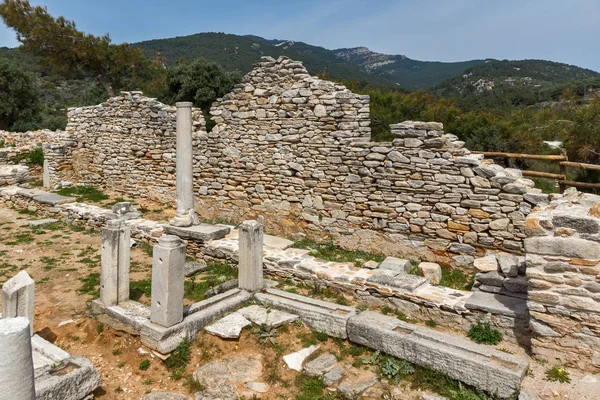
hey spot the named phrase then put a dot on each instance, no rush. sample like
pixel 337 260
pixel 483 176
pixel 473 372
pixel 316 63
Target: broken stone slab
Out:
pixel 219 377
pixel 295 360
pixel 431 271
pixel 397 280
pixel 396 264
pixel 276 242
pixel 353 386
pixel 481 366
pixel 498 304
pixel 491 278
pixel 80 380
pixel 257 387
pixel 223 287
pixel 318 315
pixel 53 199
pixel 371 265
pixel 320 365
pixel 193 267
pixel 262 316
pixel 202 232
pixel 229 327
pixel 42 222
pixel 47 356
pixel 166 396
pixel 333 376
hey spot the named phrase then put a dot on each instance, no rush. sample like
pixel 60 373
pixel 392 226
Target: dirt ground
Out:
pixel 62 261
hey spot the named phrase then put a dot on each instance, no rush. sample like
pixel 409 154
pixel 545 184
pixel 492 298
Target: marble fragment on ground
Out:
pixel 223 379
pixel 296 360
pixel 270 317
pixel 229 327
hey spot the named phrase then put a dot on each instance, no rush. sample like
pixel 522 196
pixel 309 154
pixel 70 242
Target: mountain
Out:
pixel 516 83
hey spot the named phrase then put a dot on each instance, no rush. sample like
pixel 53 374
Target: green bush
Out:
pixel 36 156
pixel 483 333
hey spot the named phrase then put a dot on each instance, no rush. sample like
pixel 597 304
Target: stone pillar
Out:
pixel 46 177
pixel 250 266
pixel 168 260
pixel 18 298
pixel 17 380
pixel 114 262
pixel 186 216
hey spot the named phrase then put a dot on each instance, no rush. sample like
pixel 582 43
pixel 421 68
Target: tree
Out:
pixel 71 52
pixel 200 82
pixel 19 100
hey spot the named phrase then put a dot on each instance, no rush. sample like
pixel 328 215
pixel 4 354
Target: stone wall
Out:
pixel 563 270
pixel 127 144
pixel 294 151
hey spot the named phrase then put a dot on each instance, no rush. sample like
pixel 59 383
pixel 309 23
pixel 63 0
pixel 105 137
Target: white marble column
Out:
pixel 168 261
pixel 251 256
pixel 17 379
pixel 18 294
pixel 114 262
pixel 46 177
pixel 186 216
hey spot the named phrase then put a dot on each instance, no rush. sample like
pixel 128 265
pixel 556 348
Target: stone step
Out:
pixel 42 222
pixel 498 304
pixel 318 315
pixel 481 366
pixel 202 232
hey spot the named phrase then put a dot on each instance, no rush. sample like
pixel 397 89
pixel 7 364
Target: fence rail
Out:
pixel 561 160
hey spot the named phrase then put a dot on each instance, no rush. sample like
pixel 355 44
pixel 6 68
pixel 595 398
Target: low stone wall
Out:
pixel 563 270
pixel 127 144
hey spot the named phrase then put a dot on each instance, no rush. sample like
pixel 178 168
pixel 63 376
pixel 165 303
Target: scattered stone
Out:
pixel 193 267
pixel 396 264
pixel 270 317
pixel 371 264
pixel 320 365
pixel 42 222
pixel 257 387
pixel 333 377
pixel 353 386
pixel 229 327
pixel 66 322
pixel 165 396
pixel 295 360
pixel 431 271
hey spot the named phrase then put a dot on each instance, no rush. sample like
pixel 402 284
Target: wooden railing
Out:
pixel 562 160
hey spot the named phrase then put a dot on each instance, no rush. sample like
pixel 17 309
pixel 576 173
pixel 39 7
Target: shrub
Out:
pixel 36 156
pixel 483 333
pixel 558 374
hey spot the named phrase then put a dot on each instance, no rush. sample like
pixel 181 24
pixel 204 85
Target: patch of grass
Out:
pixel 144 365
pixel 84 193
pixel 27 212
pixel 91 285
pixel 50 262
pixel 456 279
pixel 139 288
pixel 43 280
pixel 116 352
pixel 329 251
pixel 311 338
pixel 431 323
pixel 193 385
pixel 99 327
pixel 483 333
pixel 195 288
pixel 36 156
pixel 145 248
pixel 309 388
pixel 558 374
pixel 178 360
pixel 21 238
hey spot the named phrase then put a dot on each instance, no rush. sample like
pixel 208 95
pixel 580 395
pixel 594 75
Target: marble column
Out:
pixel 168 263
pixel 18 295
pixel 186 216
pixel 114 262
pixel 17 379
pixel 251 256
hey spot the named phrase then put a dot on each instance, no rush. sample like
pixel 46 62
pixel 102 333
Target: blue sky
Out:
pixel 444 30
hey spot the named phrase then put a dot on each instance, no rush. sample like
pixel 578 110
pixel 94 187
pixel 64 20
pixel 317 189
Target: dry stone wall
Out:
pixel 128 144
pixel 563 272
pixel 294 151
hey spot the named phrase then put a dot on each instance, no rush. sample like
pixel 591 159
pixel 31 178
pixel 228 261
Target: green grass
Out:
pixel 84 193
pixel 27 212
pixel 91 285
pixel 139 288
pixel 456 279
pixel 483 333
pixel 178 360
pixel 35 156
pixel 144 365
pixel 21 238
pixel 215 274
pixel 331 252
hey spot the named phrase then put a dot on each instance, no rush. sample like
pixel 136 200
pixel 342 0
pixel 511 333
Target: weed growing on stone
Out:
pixel 558 374
pixel 483 333
pixel 266 334
pixel 331 252
pixel 86 193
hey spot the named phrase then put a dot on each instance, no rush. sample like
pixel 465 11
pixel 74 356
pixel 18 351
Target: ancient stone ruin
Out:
pixel 290 155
